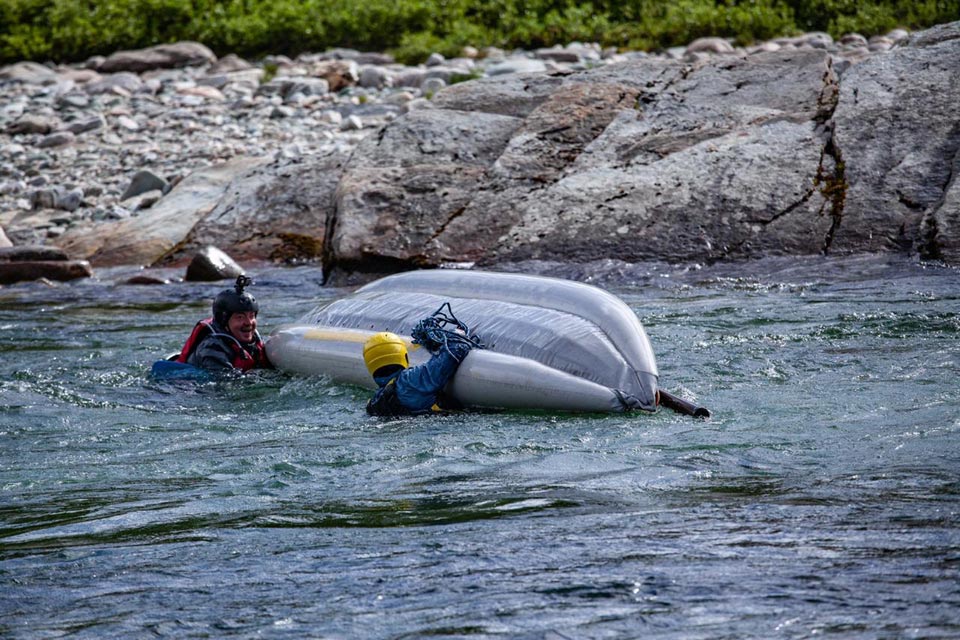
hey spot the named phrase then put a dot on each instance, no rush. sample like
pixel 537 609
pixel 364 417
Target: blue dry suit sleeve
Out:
pixel 417 387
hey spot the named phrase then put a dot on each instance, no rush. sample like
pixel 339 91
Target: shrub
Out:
pixel 70 30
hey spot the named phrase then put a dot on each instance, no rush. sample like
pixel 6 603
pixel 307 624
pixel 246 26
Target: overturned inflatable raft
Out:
pixel 550 344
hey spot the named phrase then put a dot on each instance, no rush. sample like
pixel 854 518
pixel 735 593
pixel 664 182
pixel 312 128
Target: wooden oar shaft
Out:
pixel 680 405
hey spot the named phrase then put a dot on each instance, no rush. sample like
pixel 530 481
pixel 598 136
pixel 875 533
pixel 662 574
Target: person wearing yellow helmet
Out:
pixel 406 390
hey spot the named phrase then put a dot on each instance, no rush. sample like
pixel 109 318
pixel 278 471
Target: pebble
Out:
pixel 57 139
pixel 351 123
pixel 144 181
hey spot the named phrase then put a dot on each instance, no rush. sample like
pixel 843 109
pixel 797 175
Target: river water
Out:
pixel 821 499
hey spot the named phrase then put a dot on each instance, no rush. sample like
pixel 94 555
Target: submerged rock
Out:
pixel 146 279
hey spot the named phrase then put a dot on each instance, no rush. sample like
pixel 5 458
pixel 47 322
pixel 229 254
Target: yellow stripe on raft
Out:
pixel 347 335
pixel 330 335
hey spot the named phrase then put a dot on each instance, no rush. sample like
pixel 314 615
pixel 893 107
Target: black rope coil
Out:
pixel 433 333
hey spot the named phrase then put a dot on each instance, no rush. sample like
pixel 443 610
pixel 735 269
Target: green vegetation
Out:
pixel 72 30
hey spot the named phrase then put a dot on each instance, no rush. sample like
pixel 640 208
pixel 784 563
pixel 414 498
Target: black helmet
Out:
pixel 231 301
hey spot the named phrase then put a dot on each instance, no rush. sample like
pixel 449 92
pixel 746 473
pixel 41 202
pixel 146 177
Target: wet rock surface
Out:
pixel 35 262
pixel 211 264
pixel 708 152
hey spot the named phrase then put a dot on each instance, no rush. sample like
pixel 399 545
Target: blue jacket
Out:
pixel 418 388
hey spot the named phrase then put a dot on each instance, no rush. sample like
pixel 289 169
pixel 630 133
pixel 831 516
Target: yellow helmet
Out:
pixel 383 349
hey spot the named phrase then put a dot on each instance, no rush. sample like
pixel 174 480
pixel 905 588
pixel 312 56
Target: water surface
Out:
pixel 821 499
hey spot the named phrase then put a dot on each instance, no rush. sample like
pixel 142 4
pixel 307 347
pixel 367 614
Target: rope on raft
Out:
pixel 433 334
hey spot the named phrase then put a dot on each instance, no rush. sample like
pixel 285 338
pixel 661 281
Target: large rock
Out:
pixel 898 134
pixel 402 186
pixel 649 159
pixel 729 157
pixel 696 169
pixel 163 56
pixel 160 230
pixel 212 264
pixel 274 213
pixel 512 95
pixel 142 182
pixel 705 201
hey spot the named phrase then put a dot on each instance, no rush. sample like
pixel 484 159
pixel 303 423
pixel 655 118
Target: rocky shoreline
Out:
pixel 794 146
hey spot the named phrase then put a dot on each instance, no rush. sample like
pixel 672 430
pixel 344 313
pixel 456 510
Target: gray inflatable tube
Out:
pixel 551 344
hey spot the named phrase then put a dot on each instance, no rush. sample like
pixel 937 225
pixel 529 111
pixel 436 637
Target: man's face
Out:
pixel 242 325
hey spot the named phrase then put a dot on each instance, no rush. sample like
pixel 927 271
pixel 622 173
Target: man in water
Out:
pixel 228 341
pixel 406 390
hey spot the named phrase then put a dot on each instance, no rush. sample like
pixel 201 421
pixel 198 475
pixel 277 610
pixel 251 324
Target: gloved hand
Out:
pixel 423 334
pixel 431 345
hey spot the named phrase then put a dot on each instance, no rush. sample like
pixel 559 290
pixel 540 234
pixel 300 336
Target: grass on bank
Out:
pixel 73 30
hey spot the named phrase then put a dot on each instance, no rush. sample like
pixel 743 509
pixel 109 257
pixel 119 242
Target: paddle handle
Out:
pixel 680 405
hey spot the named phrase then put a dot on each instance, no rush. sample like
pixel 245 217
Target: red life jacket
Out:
pixel 242 358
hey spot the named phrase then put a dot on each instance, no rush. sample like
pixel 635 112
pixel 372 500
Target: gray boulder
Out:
pixel 649 158
pixel 402 186
pixel 727 157
pixel 897 130
pixel 212 264
pixel 694 169
pixel 274 213
pixel 164 56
